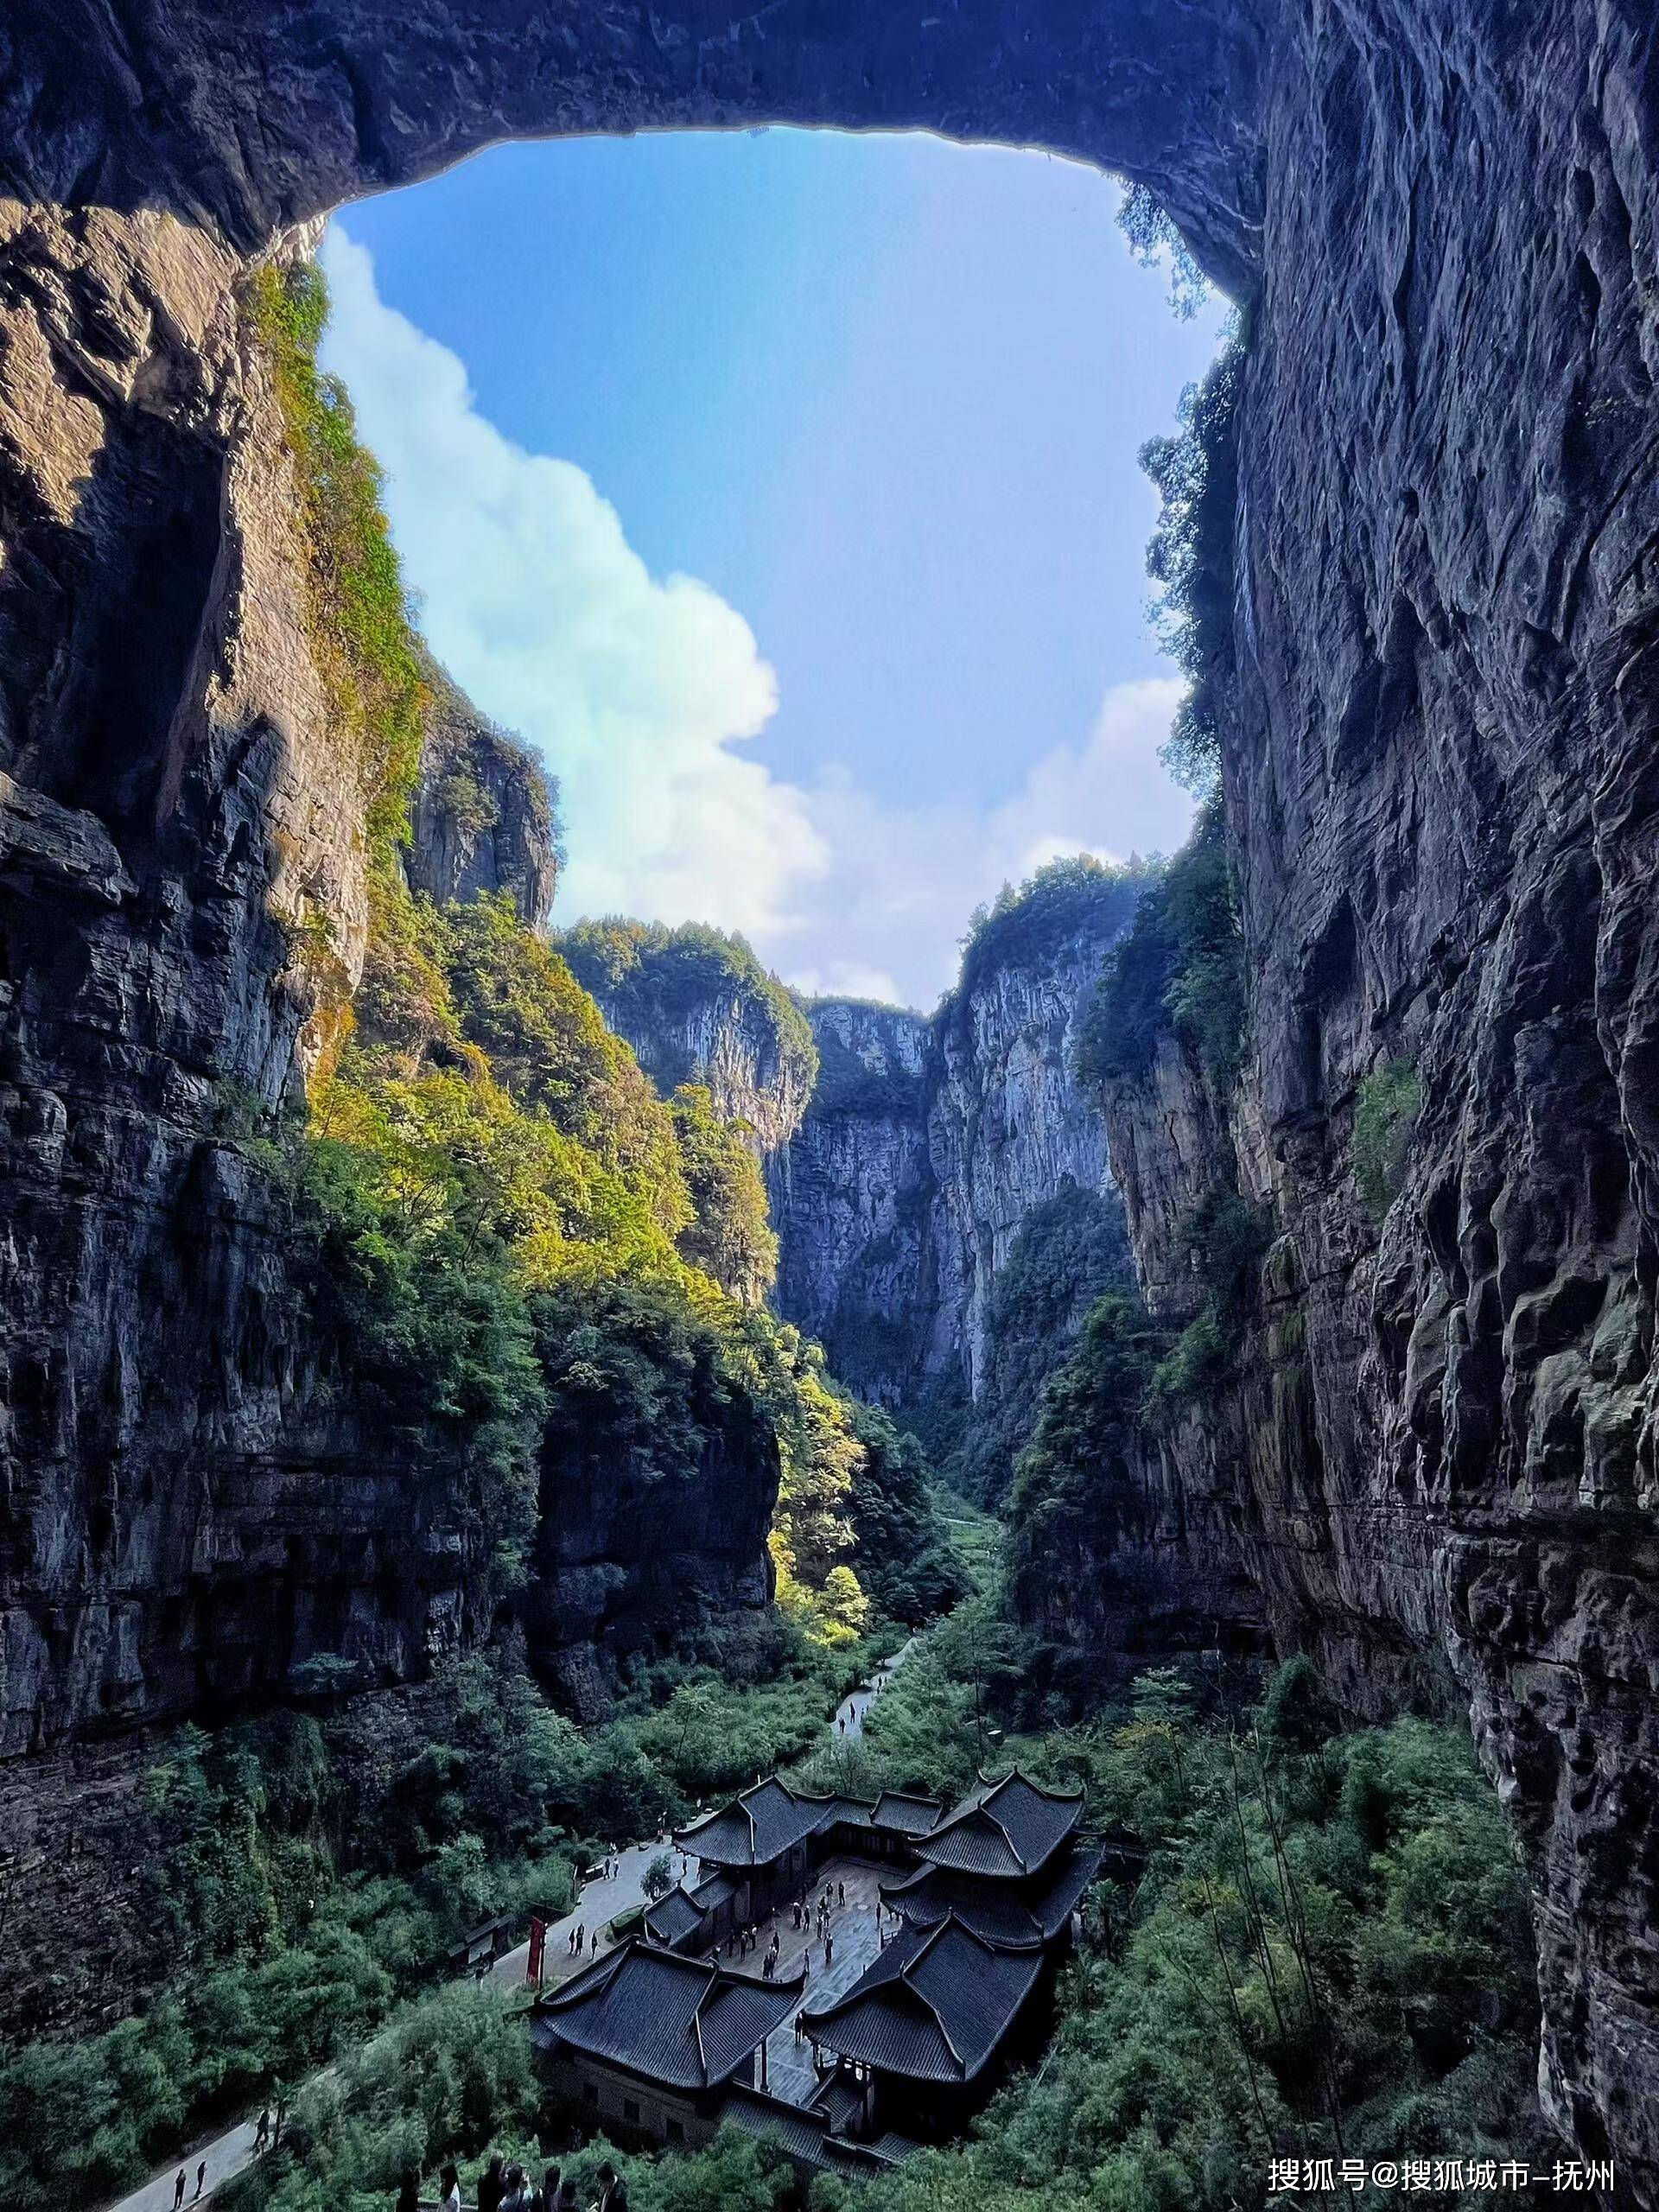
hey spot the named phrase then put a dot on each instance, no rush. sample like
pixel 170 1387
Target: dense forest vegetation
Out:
pixel 312 1868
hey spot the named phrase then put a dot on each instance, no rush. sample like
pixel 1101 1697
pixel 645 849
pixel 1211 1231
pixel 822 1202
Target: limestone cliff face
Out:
pixel 928 1143
pixel 1441 777
pixel 697 1006
pixel 852 1196
pixel 181 1519
pixel 628 1562
pixel 1008 1124
pixel 1442 800
pixel 483 820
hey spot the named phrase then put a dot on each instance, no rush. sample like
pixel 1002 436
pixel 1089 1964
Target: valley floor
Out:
pixel 600 1901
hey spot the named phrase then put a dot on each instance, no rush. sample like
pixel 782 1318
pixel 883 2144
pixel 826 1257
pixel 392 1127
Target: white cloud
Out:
pixel 640 693
pixel 903 881
pixel 636 690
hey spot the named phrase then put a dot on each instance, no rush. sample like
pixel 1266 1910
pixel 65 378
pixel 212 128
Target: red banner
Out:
pixel 537 1944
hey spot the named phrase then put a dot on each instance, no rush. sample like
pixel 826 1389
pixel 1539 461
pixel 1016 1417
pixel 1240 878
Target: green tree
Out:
pixel 729 1237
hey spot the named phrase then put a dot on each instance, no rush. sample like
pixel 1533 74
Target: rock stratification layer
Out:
pixel 929 1143
pixel 1441 777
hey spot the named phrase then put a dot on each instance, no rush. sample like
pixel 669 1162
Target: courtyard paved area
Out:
pixel 856 1940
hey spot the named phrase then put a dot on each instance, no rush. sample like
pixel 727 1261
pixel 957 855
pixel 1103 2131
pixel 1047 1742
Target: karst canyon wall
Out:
pixel 1440 780
pixel 903 1152
pixel 930 1143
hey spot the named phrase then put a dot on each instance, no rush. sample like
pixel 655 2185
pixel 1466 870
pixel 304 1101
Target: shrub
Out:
pixel 1073 1490
pixel 729 1237
pixel 360 631
pixel 1151 231
pixel 1385 1118
pixel 1225 1238
pixel 903 1554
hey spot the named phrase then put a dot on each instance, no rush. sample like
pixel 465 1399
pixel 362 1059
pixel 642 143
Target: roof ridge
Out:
pixel 1017 1773
pixel 591 1978
pixel 914 1959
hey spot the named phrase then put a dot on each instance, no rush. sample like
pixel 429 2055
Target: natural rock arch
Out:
pixel 1440 1465
pixel 260 119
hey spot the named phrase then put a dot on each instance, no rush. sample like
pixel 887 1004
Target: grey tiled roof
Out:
pixel 758 1826
pixel 850 1812
pixel 935 2005
pixel 800 2133
pixel 674 2021
pixel 673 1917
pixel 807 2138
pixel 1004 1830
pixel 1008 1913
pixel 713 1891
pixel 910 1815
pixel 839 2100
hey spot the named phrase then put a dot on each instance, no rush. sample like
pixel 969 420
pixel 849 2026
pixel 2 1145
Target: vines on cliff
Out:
pixel 362 643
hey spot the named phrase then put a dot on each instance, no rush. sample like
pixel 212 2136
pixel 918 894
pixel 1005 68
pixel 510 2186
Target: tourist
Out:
pixel 518 2198
pixel 450 2183
pixel 829 1950
pixel 262 2133
pixel 408 2192
pixel 178 2191
pixel 547 2197
pixel 492 2186
pixel 201 2177
pixel 581 1938
pixel 613 2189
pixel 841 1893
pixel 842 1724
pixel 568 2201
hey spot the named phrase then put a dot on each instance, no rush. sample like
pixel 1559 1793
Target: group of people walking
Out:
pixel 817 1917
pixel 508 2188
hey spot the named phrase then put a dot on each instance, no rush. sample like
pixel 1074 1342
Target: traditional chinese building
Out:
pixel 658 2042
pixel 760 1842
pixel 646 2043
pixel 957 1998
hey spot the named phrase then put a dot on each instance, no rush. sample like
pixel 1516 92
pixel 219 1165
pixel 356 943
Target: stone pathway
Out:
pixel 849 1714
pixel 856 1939
pixel 225 2156
pixel 597 1904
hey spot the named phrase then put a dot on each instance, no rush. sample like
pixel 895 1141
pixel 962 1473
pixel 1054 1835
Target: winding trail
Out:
pixel 599 1902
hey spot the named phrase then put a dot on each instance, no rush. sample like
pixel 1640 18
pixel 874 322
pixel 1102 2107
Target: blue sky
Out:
pixel 781 488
